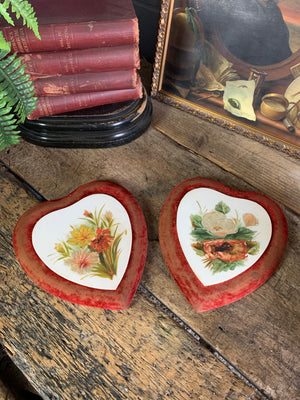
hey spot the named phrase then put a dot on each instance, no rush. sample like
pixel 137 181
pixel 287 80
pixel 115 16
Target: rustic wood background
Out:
pixel 159 347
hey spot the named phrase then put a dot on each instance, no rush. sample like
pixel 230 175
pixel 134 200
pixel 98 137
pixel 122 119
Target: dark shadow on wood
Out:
pixel 14 380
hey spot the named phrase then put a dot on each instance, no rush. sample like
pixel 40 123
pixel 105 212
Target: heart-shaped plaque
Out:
pixel 220 244
pixel 88 247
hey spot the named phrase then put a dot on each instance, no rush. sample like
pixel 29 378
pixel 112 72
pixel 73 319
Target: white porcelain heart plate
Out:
pixel 220 244
pixel 204 204
pixel 88 247
pixel 62 239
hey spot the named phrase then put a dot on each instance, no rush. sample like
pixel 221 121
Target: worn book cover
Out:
pixel 81 61
pixel 75 24
pixel 84 83
pixel 51 105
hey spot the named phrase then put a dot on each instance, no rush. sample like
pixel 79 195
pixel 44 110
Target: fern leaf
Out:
pixel 4 45
pixel 17 98
pixel 5 14
pixel 17 90
pixel 9 134
pixel 25 10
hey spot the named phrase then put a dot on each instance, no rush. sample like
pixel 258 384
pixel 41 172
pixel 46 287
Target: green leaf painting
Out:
pixel 222 242
pixel 222 207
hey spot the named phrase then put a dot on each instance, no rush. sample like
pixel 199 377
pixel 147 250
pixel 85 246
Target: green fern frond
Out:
pixel 4 45
pixel 25 10
pixel 5 14
pixel 17 99
pixel 16 88
pixel 9 134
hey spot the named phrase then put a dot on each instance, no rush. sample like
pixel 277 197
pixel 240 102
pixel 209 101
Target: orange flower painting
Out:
pixel 93 247
pixel 224 243
pixel 102 240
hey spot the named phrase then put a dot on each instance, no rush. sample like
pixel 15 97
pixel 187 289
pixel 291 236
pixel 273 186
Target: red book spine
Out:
pixel 84 83
pixel 80 61
pixel 51 105
pixel 73 36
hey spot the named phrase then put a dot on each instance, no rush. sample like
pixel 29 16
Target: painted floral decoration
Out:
pixel 92 248
pixel 222 242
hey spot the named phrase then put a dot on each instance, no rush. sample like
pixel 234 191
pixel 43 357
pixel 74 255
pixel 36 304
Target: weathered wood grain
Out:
pixel 257 334
pixel 149 168
pixel 13 385
pixel 5 393
pixel 270 171
pixel 75 352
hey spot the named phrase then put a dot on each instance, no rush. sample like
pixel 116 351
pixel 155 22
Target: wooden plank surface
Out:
pixel 270 171
pixel 13 385
pixel 74 352
pixel 5 393
pixel 257 335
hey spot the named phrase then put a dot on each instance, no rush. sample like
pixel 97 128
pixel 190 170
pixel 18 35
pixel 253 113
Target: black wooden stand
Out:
pixel 105 126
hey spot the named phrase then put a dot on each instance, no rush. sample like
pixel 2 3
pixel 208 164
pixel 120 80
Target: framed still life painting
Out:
pixel 235 63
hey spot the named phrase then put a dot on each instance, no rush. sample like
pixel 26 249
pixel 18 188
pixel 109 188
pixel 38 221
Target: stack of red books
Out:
pixel 88 54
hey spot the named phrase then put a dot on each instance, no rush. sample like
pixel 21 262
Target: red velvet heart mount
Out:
pixel 99 261
pixel 220 244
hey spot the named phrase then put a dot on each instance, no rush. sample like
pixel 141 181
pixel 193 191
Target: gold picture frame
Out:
pixel 191 47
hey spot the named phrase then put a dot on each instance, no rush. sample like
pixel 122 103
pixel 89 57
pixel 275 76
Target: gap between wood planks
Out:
pixel 13 384
pixel 201 341
pixel 143 290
